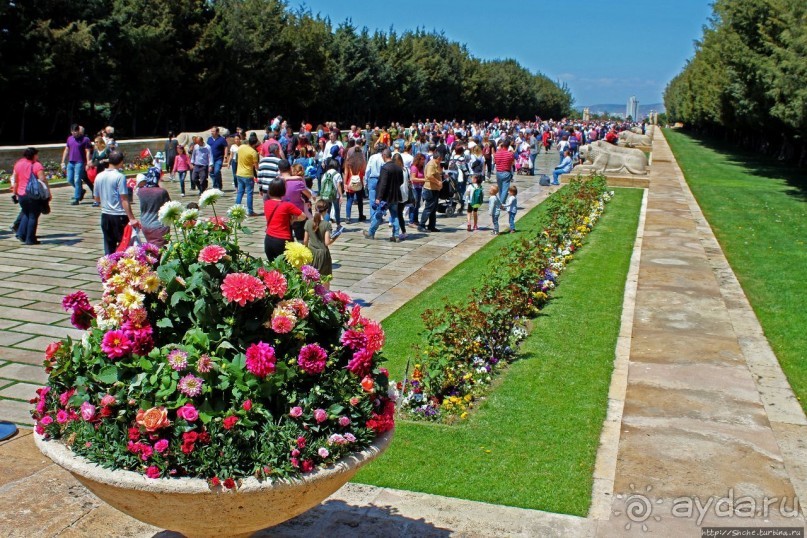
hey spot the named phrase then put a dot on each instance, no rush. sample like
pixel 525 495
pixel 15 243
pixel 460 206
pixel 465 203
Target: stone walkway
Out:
pixel 698 405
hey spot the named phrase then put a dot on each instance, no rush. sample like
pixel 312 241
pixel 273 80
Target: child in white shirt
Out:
pixel 494 208
pixel 511 206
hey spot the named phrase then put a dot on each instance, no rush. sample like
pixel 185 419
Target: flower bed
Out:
pixel 206 362
pixel 468 343
pixel 54 173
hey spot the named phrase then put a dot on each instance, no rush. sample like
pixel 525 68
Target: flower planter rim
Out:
pixel 63 456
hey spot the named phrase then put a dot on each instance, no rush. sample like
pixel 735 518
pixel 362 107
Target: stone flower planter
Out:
pixel 189 506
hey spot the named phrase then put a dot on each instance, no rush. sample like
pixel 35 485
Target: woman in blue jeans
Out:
pixel 28 169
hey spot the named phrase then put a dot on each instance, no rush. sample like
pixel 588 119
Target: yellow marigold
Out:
pixel 297 254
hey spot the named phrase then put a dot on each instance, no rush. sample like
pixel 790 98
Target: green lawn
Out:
pixel 533 442
pixel 758 211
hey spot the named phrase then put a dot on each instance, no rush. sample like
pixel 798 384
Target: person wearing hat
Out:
pixel 152 197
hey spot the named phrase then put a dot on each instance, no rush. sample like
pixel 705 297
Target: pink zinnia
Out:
pixel 178 359
pixel 296 412
pixel 190 385
pixel 344 422
pixel 312 359
pixel 261 359
pixel 62 416
pixel 274 281
pixel 242 288
pixel 153 472
pixel 204 364
pixel 116 344
pixel 282 324
pixel 212 253
pixel 323 452
pixel 161 446
pixel 320 415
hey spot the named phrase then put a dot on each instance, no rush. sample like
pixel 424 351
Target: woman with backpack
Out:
pixel 355 166
pixel 332 190
pixel 30 188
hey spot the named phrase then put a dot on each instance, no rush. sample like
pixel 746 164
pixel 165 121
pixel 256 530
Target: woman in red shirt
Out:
pixel 27 169
pixel 279 216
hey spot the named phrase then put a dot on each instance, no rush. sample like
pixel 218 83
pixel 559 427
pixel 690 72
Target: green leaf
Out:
pixel 178 296
pixel 165 323
pixel 108 374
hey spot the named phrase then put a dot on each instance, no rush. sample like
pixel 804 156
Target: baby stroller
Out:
pixel 449 198
pixel 524 163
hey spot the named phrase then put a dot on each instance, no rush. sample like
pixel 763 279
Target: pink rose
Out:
pixel 320 415
pixel 161 446
pixel 344 422
pixel 323 452
pixel 188 412
pixel 296 412
pixel 247 405
pixel 354 401
pixel 108 400
pixel 87 411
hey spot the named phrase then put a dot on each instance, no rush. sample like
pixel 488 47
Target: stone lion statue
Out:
pixel 186 139
pixel 599 158
pixel 630 140
pixel 649 130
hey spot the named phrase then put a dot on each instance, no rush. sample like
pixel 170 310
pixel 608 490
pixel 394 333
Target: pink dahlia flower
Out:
pixel 116 344
pixel 261 359
pixel 312 359
pixel 212 254
pixel 242 288
pixel 274 281
pixel 282 324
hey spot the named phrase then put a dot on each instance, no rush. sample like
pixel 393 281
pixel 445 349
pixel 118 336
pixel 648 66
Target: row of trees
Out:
pixel 748 78
pixel 149 65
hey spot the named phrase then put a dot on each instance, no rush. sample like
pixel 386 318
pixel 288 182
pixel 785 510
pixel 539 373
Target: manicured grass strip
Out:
pixel 758 211
pixel 533 443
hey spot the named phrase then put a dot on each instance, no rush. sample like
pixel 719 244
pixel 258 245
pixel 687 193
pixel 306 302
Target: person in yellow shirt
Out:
pixel 431 191
pixel 246 171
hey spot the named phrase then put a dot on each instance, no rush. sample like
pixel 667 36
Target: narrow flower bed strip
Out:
pixel 467 344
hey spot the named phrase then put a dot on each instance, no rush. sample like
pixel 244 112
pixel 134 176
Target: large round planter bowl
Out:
pixel 189 506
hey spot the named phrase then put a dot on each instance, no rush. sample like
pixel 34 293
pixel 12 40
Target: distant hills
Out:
pixel 619 109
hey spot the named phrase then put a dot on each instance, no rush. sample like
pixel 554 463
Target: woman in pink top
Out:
pixel 28 169
pixel 182 164
pixel 417 179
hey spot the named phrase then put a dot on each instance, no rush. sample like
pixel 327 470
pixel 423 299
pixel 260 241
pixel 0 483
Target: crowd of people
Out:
pixel 306 177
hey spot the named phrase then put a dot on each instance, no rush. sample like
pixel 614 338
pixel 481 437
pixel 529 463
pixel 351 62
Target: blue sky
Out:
pixel 605 51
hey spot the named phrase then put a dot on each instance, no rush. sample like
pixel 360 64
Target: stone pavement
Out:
pixel 706 412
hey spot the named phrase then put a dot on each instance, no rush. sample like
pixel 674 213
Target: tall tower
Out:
pixel 632 109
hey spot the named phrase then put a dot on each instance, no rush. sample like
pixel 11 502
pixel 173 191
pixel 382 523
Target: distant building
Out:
pixel 632 109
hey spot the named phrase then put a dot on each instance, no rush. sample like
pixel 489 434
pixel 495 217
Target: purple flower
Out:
pixel 190 385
